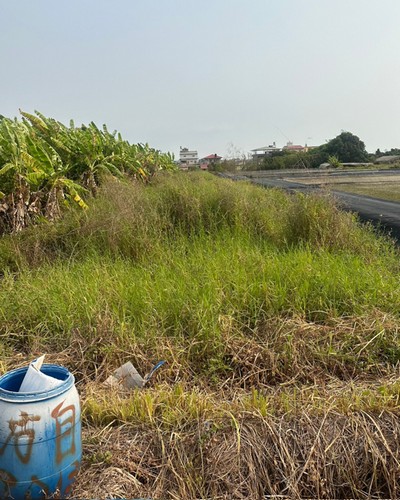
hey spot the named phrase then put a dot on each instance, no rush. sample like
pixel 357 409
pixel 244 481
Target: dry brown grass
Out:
pixel 279 350
pixel 275 351
pixel 298 409
pixel 329 456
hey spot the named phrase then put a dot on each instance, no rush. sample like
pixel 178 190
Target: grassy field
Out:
pixel 386 191
pixel 278 317
pixel 385 187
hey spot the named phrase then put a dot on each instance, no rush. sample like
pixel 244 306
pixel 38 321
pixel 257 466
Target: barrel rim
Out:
pixel 27 397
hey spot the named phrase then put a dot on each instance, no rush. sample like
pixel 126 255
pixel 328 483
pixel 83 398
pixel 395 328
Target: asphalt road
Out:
pixel 383 214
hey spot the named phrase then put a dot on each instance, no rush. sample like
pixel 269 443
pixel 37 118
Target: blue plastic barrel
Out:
pixel 40 436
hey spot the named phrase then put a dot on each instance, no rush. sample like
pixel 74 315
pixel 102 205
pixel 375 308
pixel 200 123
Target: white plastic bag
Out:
pixel 35 380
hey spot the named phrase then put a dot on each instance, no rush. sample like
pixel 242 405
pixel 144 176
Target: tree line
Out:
pixel 345 148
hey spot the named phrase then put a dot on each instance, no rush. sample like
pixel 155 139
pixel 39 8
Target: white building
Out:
pixel 265 151
pixel 188 158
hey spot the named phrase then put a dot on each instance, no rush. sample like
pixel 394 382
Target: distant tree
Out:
pixel 292 160
pixel 391 152
pixel 347 147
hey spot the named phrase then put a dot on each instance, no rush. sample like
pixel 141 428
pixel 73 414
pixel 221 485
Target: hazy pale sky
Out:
pixel 207 74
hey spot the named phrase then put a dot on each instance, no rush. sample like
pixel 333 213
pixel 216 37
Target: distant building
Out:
pixel 260 153
pixel 265 151
pixel 388 159
pixel 209 160
pixel 294 148
pixel 188 158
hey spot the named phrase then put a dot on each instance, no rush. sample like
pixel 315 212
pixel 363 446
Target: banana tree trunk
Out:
pixel 19 209
pixel 52 209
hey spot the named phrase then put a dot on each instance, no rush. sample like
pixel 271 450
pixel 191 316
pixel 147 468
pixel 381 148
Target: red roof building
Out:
pixel 209 160
pixel 293 147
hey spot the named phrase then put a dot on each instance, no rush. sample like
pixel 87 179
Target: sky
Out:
pixel 218 76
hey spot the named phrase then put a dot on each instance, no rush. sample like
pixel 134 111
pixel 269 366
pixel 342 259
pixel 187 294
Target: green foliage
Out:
pixel 347 147
pixel 390 152
pixel 334 161
pixel 45 165
pixel 289 160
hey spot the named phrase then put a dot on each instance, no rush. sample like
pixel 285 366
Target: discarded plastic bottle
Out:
pixel 40 436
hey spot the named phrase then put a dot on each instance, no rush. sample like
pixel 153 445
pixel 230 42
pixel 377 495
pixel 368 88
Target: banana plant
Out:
pixel 15 173
pixel 45 165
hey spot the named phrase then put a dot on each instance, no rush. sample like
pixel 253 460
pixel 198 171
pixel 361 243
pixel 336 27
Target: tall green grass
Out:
pixel 136 221
pixel 186 290
pixel 279 319
pixel 174 259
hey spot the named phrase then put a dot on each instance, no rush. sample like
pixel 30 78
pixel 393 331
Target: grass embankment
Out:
pixel 278 317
